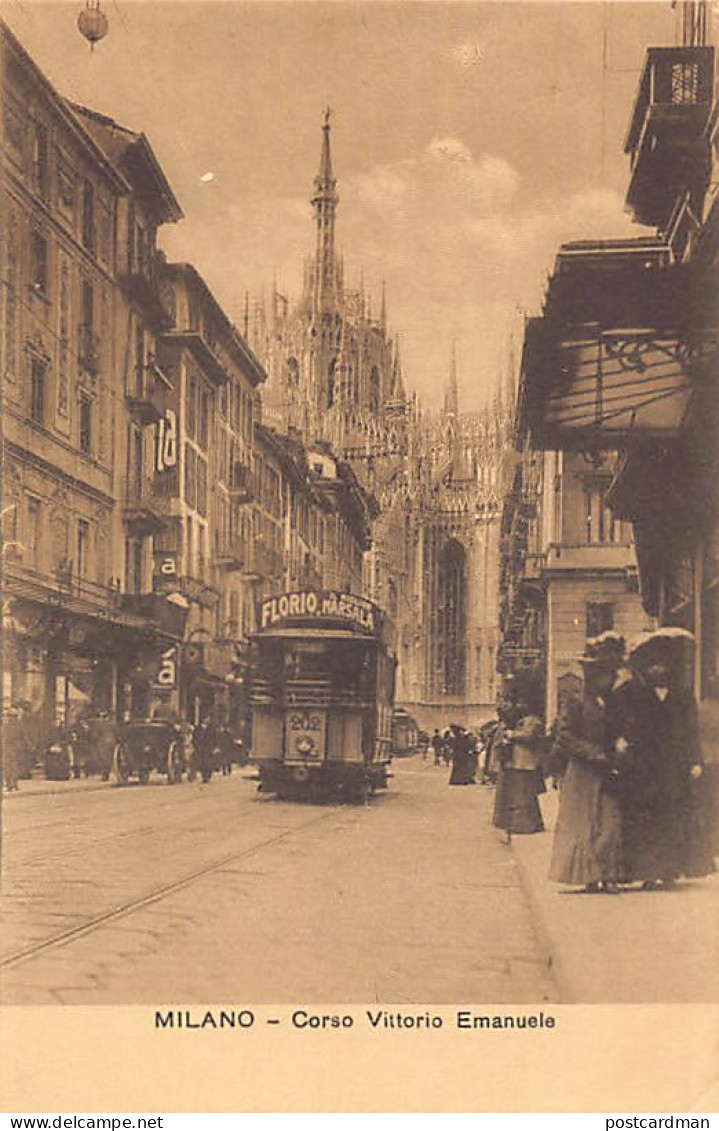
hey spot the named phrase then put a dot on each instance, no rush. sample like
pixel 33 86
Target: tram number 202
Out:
pixel 305 722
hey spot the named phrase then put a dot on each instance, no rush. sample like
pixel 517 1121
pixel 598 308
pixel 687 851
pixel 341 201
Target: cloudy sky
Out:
pixel 469 139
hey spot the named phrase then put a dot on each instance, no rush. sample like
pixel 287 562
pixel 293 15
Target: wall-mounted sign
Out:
pixel 167 672
pixel 310 605
pixel 164 565
pixel 166 442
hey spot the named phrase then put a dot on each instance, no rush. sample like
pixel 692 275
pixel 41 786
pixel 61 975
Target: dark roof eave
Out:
pixel 248 360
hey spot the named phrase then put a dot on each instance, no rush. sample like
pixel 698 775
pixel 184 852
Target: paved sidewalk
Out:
pixel 659 946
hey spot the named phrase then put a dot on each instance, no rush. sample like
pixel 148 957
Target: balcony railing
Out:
pixel 147 395
pixel 144 506
pixel 140 284
pixel 155 610
pixel 62 587
pixel 199 583
pixel 666 142
pixel 263 562
pixel 240 487
pixel 203 348
pixel 230 551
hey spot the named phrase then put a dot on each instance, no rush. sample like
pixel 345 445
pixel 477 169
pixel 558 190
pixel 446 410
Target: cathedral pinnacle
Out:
pixel 324 203
pixel 451 394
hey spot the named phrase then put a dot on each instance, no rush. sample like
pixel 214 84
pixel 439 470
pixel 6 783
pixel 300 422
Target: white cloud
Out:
pixel 446 229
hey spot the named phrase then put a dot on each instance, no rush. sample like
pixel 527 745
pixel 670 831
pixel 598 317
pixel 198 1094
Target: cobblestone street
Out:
pixel 213 893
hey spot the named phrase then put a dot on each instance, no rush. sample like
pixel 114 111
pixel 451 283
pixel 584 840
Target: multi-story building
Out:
pixel 203 476
pixel 624 356
pixel 568 570
pixel 72 638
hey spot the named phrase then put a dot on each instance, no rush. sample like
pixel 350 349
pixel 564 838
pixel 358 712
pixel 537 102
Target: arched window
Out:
pixel 452 616
pixel 374 389
pixel 331 383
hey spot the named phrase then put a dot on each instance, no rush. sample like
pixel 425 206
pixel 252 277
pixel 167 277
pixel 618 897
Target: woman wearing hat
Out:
pixel 657 721
pixel 586 849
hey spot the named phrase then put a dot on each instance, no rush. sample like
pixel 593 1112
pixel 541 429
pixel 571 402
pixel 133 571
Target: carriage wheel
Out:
pixel 174 764
pixel 120 764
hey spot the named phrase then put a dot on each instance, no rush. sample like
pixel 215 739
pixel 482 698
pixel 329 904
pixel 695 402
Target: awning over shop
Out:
pixel 604 388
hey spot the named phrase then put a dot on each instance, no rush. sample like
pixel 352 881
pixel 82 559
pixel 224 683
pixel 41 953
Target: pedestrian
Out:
pixel 520 779
pixel 487 733
pixel 227 749
pixel 665 834
pixel 473 761
pixel 460 748
pixel 437 744
pixel 587 838
pixel 11 738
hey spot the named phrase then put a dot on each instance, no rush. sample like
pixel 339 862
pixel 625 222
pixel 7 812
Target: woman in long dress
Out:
pixel 587 839
pixel 664 835
pixel 516 809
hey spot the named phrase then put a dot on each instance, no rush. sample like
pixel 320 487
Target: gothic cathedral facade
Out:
pixel 335 378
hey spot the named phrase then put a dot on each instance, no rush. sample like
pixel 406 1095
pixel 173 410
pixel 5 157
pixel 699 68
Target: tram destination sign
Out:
pixel 311 605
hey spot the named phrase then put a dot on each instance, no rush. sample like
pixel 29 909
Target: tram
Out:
pixel 322 695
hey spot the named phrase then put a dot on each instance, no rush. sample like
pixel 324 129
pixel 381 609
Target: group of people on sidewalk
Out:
pixel 626 757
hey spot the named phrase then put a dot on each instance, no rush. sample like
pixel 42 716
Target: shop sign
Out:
pixel 312 605
pixel 164 568
pixel 166 677
pixel 166 442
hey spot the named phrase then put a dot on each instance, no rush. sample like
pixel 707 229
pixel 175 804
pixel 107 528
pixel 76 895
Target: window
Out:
pixel 88 304
pixel 82 547
pixel 600 617
pixel 600 525
pixel 41 168
pixel 192 408
pixel 203 420
pixel 37 390
pixel 88 216
pixel 34 531
pixel 38 263
pixel 85 415
pixel 139 357
pixel 133 565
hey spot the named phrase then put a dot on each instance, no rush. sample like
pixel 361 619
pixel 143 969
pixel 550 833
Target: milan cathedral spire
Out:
pixel 324 202
pixel 451 394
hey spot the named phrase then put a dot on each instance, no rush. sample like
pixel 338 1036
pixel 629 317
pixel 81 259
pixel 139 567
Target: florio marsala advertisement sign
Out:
pixel 309 605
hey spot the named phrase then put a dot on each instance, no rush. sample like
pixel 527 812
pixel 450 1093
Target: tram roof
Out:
pixel 315 633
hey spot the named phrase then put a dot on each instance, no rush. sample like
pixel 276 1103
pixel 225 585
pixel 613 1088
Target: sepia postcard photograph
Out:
pixel 359 544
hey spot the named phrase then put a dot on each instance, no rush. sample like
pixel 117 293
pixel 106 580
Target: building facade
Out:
pixel 336 380
pixel 623 359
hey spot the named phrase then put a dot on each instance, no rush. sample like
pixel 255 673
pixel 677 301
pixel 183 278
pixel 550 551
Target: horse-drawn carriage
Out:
pixel 146 746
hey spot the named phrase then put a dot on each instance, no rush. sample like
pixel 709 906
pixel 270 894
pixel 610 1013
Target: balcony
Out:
pixel 154 610
pixel 60 588
pixel 140 284
pixel 88 349
pixel 616 283
pixel 199 584
pixel 147 397
pixel 145 509
pixel 666 142
pixel 230 552
pixel 240 484
pixel 615 557
pixel 263 563
pixel 203 348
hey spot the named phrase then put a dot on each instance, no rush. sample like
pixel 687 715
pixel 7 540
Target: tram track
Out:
pixel 226 807
pixel 72 934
